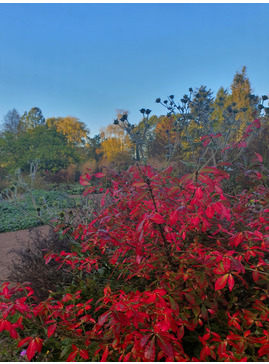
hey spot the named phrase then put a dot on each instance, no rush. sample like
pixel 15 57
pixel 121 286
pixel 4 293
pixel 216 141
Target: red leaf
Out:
pixel 237 239
pixel 103 318
pixel 138 259
pixel 255 275
pixel 263 350
pixel 144 340
pixel 24 341
pixel 157 218
pixel 215 171
pixel 127 357
pixel 84 354
pixel 206 142
pixel 150 350
pixel 218 189
pixel 103 200
pixel 210 211
pixel 204 352
pixel 165 324
pixel 257 123
pixel 99 175
pixel 35 345
pixel 51 329
pixel 88 190
pixel 151 297
pixel 174 217
pixel 84 181
pixel 13 333
pixel 72 355
pixel 222 350
pixel 30 352
pixel 67 297
pixel 165 346
pixel 242 144
pixel 230 282
pixel 259 157
pixel 180 332
pixel 160 291
pixel 140 226
pixel 226 264
pixel 199 193
pixel 221 282
pixel 105 354
pixel 195 221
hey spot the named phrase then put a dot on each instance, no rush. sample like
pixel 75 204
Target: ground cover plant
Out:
pixel 32 209
pixel 171 269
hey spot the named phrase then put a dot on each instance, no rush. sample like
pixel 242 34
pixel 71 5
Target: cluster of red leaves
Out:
pixel 195 259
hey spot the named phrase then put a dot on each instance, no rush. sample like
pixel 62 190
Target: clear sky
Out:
pixel 88 60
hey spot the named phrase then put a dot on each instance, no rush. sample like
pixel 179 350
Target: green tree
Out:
pixel 93 147
pixel 43 143
pixel 201 106
pixel 31 119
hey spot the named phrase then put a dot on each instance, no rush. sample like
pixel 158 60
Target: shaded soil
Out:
pixel 13 240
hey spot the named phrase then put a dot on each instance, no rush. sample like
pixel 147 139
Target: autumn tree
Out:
pixel 75 130
pixel 164 136
pixel 243 100
pixel 115 144
pixel 219 105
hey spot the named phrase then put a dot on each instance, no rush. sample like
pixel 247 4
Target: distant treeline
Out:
pixel 63 149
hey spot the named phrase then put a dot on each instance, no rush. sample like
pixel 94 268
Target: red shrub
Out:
pixel 193 264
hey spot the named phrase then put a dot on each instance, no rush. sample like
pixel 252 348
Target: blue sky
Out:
pixel 88 60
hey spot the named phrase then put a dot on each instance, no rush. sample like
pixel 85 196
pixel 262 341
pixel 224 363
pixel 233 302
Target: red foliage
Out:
pixel 195 261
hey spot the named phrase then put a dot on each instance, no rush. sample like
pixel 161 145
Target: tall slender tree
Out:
pixel 12 121
pixel 219 106
pixel 242 99
pixel 201 105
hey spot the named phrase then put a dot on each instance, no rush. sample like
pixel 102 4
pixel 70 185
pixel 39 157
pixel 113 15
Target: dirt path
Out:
pixel 13 240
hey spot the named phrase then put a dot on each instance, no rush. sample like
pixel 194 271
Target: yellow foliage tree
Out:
pixel 74 129
pixel 116 145
pixel 243 99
